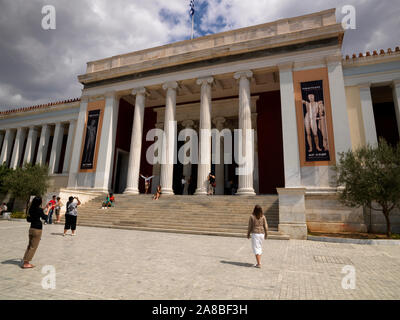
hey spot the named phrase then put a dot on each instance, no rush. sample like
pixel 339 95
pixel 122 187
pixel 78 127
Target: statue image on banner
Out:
pixel 90 140
pixel 315 125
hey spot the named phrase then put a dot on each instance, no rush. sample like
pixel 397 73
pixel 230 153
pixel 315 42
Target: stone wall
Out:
pixel 324 213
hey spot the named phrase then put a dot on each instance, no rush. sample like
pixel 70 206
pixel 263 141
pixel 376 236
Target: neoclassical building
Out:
pixel 287 80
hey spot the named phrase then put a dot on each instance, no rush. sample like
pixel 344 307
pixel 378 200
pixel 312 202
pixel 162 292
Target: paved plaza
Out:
pixel 122 264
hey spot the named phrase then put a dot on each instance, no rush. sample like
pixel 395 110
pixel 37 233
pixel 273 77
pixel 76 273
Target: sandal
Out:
pixel 29 266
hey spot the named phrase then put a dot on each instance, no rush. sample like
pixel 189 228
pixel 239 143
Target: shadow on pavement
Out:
pixel 57 234
pixel 238 264
pixel 16 262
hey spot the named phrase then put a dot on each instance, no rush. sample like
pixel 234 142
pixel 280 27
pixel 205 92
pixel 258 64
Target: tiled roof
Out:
pixel 41 106
pixel 373 54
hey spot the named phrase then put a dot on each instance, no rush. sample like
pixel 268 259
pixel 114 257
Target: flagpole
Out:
pixel 192 25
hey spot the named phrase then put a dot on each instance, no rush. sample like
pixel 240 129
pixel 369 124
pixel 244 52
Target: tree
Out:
pixel 370 177
pixel 24 182
pixel 4 171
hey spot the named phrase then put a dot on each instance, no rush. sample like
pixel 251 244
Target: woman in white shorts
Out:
pixel 258 229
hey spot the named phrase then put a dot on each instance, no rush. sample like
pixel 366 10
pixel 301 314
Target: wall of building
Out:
pixel 355 117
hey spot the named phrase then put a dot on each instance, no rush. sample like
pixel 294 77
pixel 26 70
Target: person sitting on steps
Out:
pixel 157 195
pixel 109 202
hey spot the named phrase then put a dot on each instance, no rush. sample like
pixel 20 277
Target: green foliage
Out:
pixel 4 171
pixel 371 178
pixel 30 180
pixel 18 215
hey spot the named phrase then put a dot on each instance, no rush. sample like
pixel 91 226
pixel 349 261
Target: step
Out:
pixel 273 235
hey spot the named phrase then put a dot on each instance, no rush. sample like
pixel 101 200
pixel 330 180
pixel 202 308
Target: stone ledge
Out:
pixel 356 241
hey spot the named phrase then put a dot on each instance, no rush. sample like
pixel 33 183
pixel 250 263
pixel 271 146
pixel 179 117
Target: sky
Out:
pixel 40 66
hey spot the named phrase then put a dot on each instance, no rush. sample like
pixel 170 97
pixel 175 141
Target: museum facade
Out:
pixel 286 80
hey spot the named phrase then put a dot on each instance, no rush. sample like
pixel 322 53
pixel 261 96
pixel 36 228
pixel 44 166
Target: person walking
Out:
pixel 57 210
pixel 35 213
pixel 258 229
pixel 71 215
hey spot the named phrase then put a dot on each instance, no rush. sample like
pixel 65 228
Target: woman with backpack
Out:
pixel 258 229
pixel 35 213
pixel 71 215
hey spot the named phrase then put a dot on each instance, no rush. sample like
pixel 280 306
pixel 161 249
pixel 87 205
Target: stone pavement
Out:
pixel 122 264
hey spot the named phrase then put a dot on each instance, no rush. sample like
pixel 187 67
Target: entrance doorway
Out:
pixel 121 169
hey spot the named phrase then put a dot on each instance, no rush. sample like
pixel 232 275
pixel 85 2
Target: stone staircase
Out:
pixel 203 215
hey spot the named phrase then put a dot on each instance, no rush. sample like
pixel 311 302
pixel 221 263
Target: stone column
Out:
pixel 7 146
pixel 219 167
pixel 289 127
pixel 341 128
pixel 2 134
pixel 43 144
pixel 77 146
pixel 30 145
pixel 105 159
pixel 169 143
pixel 132 186
pixel 396 99
pixel 368 115
pixel 245 180
pixel 255 175
pixel 187 168
pixel 68 148
pixel 18 148
pixel 156 166
pixel 56 148
pixel 204 163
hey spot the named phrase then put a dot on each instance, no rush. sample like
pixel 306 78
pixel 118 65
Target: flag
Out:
pixel 191 12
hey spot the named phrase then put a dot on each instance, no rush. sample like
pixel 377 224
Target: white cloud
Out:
pixel 41 66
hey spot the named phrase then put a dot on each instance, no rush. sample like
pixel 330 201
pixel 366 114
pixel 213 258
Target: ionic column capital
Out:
pixel 139 91
pixel 205 80
pixel 243 74
pixel 170 85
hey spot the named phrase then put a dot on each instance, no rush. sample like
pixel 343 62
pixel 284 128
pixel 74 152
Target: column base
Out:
pixel 167 192
pixel 132 191
pixel 246 192
pixel 200 192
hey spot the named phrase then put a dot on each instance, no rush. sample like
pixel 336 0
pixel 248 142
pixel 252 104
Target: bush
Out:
pixel 18 215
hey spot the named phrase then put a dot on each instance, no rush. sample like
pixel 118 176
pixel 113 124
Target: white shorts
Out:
pixel 256 242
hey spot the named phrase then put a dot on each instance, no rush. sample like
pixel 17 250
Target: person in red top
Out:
pixel 51 205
